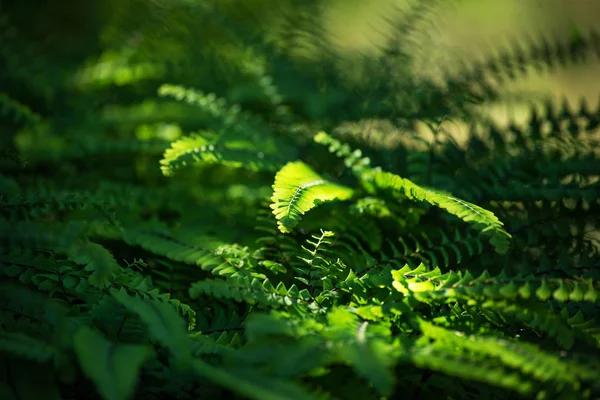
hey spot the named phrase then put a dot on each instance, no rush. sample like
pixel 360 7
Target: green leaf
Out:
pixel 525 291
pixel 544 292
pixel 562 293
pixel 114 368
pixel 509 290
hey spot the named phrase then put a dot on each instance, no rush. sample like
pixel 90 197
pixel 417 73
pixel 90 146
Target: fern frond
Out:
pixel 253 291
pixel 144 290
pixel 163 322
pixel 114 368
pixel 66 239
pixel 164 243
pixel 216 107
pixel 427 285
pixel 544 54
pixel 236 144
pixel 465 367
pixel 197 148
pixel 546 367
pixel 298 189
pixel 483 220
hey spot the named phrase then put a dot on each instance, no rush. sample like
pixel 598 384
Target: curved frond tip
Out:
pixel 483 220
pixel 298 189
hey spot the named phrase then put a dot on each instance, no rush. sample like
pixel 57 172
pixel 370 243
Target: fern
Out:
pixel 205 238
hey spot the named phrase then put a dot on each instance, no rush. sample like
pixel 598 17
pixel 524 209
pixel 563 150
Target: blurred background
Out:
pixel 471 29
pixel 94 38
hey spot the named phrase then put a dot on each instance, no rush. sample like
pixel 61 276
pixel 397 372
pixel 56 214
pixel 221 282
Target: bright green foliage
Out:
pixel 482 219
pixel 297 189
pixel 198 149
pixel 485 220
pixel 242 141
pixel 163 241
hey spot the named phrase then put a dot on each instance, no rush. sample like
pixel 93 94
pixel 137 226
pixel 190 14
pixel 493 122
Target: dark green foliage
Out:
pixel 175 222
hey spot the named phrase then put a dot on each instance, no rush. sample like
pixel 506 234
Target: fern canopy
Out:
pixel 175 222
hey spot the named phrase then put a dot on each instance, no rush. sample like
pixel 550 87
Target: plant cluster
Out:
pixel 203 200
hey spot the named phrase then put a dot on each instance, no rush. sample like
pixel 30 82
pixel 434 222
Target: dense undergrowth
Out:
pixel 200 200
